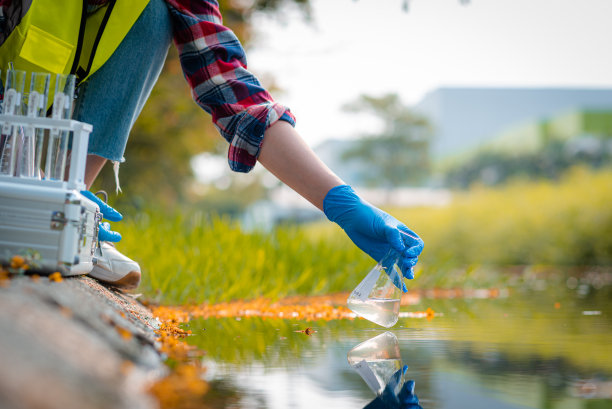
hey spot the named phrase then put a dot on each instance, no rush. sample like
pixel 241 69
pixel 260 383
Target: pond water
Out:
pixel 531 349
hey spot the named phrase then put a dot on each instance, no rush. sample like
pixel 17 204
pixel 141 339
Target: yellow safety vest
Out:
pixel 59 37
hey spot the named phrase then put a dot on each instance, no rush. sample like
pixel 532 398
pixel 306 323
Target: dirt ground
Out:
pixel 73 343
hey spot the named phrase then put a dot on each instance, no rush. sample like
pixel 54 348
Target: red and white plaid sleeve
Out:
pixel 214 64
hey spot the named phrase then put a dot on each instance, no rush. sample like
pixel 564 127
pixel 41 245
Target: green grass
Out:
pixel 197 258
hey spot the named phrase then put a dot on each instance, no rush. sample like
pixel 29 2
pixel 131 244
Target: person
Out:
pixel 111 95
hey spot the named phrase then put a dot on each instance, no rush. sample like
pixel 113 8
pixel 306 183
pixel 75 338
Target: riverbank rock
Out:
pixel 73 343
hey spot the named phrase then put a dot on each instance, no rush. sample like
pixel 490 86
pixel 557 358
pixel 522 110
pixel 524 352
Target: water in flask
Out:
pixel 382 311
pixel 377 298
pixel 376 360
pixel 376 373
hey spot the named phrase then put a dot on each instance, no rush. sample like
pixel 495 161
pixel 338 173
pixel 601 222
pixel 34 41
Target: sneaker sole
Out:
pixel 128 282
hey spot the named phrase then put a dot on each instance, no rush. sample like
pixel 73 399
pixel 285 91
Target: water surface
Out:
pixel 532 349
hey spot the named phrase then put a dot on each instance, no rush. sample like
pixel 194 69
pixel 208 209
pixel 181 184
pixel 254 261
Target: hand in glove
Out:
pixel 104 231
pixel 372 230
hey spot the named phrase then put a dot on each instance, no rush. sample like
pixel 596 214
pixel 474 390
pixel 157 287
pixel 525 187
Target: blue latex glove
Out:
pixel 407 397
pixel 104 231
pixel 108 212
pixel 106 234
pixel 372 230
pixel 391 398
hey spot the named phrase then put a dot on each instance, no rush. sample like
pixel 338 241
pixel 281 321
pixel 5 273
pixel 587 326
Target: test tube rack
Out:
pixel 79 132
pixel 50 218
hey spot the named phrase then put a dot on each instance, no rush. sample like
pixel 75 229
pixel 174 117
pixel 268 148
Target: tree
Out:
pixel 399 155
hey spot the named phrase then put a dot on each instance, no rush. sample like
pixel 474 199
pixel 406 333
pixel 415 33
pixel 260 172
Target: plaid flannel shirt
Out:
pixel 214 64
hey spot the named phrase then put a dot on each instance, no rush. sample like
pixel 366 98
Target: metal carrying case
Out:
pixel 50 218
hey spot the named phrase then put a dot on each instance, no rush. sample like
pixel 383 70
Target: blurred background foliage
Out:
pixel 399 154
pixel 551 152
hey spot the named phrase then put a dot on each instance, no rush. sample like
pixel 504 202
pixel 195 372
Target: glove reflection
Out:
pixel 396 395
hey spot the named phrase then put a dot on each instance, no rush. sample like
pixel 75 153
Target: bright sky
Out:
pixel 371 46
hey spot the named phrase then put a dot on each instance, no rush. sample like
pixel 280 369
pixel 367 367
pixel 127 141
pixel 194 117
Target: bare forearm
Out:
pixel 285 154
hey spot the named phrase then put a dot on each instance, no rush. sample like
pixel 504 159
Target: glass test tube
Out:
pixel 28 162
pixel 58 141
pixel 10 135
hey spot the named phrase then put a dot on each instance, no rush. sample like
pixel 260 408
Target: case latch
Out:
pixel 58 221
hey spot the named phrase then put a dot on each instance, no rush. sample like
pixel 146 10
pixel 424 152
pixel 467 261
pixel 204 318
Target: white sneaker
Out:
pixel 112 267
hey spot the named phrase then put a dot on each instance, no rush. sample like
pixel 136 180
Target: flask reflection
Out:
pixel 379 363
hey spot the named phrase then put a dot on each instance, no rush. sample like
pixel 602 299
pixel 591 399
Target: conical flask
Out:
pixel 376 360
pixel 377 297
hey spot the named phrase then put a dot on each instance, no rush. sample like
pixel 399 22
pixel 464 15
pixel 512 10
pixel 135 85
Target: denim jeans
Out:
pixel 113 97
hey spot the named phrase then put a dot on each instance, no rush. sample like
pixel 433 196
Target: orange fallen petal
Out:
pixel 56 277
pixel 125 334
pixel 17 261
